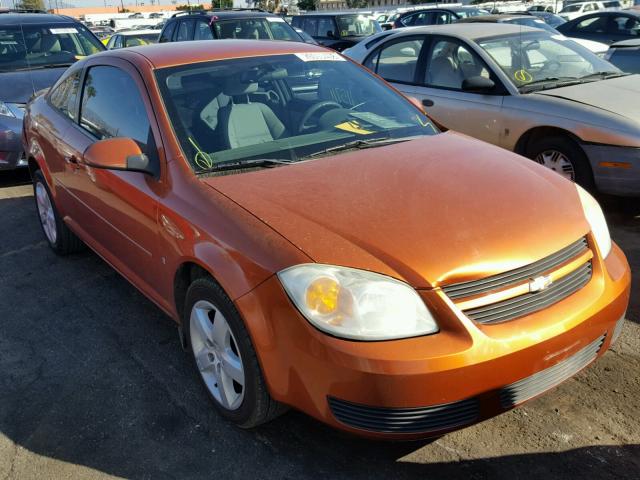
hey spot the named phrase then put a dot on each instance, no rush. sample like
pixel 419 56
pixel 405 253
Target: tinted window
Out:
pixel 450 63
pixel 623 25
pixel 326 28
pixel 167 33
pixel 310 25
pixel 397 62
pixel 105 118
pixel 185 31
pixel 256 29
pixel 592 25
pixel 65 95
pixel 203 31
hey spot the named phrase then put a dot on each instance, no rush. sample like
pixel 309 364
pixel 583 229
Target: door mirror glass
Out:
pixel 117 154
pixel 477 84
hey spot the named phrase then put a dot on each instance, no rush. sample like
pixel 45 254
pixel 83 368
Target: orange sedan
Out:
pixel 319 242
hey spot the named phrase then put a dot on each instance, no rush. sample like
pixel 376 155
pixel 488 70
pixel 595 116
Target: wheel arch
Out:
pixel 535 133
pixel 186 273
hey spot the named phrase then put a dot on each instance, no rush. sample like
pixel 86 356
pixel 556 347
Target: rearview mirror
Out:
pixel 478 84
pixel 117 154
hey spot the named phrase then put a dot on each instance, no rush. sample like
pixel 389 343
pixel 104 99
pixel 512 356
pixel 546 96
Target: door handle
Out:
pixel 427 102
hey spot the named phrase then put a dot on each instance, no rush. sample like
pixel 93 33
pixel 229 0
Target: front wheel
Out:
pixel 225 358
pixel 564 156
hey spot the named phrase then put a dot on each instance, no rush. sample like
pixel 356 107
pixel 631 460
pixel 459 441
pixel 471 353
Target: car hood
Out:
pixel 620 96
pixel 432 211
pixel 18 87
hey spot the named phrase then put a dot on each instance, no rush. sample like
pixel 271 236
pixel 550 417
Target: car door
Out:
pixel 116 211
pixel 623 27
pixel 446 62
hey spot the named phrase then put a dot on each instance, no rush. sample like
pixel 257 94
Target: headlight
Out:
pixel 597 222
pixel 4 110
pixel 357 304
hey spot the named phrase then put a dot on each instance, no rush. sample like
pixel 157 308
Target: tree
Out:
pixel 307 5
pixel 221 4
pixel 357 3
pixel 30 5
pixel 190 7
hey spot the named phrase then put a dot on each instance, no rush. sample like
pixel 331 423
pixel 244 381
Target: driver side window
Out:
pixel 397 62
pixel 449 63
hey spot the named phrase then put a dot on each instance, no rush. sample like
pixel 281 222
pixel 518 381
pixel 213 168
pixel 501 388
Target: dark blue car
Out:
pixel 35 49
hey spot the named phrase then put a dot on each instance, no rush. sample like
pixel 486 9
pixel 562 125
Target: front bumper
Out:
pixel 11 152
pixel 616 170
pixel 464 374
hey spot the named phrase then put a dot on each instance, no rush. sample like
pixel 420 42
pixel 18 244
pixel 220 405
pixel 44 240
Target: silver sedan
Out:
pixel 538 94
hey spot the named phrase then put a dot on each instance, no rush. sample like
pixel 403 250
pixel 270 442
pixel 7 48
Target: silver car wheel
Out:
pixel 558 162
pixel 217 355
pixel 46 213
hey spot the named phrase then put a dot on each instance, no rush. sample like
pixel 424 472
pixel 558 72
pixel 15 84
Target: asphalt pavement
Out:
pixel 93 384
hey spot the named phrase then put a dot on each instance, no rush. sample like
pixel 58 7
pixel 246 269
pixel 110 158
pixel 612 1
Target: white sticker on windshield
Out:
pixel 320 57
pixel 275 19
pixel 62 31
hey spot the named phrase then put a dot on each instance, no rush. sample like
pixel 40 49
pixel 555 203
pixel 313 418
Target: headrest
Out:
pixel 233 87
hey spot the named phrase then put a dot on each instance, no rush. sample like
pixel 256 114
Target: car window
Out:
pixel 203 31
pixel 423 18
pixel 185 30
pixel 167 33
pixel 449 63
pixel 65 95
pixel 111 42
pixel 596 24
pixel 356 26
pixel 256 29
pixel 571 8
pixel 310 25
pixel 139 39
pixel 397 62
pixel 118 42
pixel 626 60
pixel 442 18
pixel 104 118
pixel 623 25
pixel 326 28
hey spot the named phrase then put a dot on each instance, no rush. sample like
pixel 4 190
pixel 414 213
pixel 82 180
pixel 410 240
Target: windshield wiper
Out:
pixel 361 144
pixel 242 164
pixel 603 75
pixel 547 83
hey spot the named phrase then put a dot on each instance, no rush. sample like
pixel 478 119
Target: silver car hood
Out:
pixel 620 96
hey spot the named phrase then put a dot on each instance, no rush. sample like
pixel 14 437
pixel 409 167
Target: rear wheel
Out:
pixel 60 238
pixel 564 156
pixel 225 358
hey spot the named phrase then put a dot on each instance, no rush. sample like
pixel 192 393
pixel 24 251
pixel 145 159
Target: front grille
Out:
pixel 496 282
pixel 529 387
pixel 405 420
pixel 532 302
pixel 522 303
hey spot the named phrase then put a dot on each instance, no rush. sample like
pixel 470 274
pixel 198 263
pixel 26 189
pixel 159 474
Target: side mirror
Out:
pixel 478 85
pixel 417 103
pixel 118 154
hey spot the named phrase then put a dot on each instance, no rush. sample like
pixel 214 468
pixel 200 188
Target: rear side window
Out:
pixel 65 96
pixel 310 25
pixel 167 33
pixel 326 28
pixel 104 118
pixel 622 25
pixel 203 31
pixel 185 31
pixel 397 62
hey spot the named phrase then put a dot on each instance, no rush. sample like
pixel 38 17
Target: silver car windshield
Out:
pixel 282 108
pixel 532 60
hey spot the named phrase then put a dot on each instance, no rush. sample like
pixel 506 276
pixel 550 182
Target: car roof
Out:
pixel 471 31
pixel 183 53
pixel 33 18
pixel 460 8
pixel 224 14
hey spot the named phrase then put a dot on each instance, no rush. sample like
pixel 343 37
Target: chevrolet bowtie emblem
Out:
pixel 539 283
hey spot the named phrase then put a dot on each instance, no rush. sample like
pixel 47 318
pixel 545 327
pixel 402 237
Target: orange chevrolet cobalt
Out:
pixel 319 242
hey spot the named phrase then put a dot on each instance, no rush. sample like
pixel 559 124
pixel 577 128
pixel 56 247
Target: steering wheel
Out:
pixel 312 110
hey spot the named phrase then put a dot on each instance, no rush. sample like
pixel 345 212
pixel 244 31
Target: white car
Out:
pixel 575 10
pixel 133 38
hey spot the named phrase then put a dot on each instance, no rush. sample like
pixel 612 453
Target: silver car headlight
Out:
pixel 356 304
pixel 5 110
pixel 597 222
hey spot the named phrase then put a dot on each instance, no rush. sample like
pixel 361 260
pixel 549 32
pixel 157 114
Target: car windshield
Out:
pixel 141 39
pixel 356 26
pixel 571 8
pixel 471 12
pixel 532 22
pixel 282 107
pixel 265 28
pixel 536 60
pixel 34 46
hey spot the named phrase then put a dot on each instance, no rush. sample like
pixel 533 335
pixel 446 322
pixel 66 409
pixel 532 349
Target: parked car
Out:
pixel 133 38
pixel 249 24
pixel 436 16
pixel 605 27
pixel 550 19
pixel 532 21
pixel 541 8
pixel 35 49
pixel 320 248
pixel 523 89
pixel 336 30
pixel 625 55
pixel 578 9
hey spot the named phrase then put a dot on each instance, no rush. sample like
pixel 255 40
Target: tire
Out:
pixel 575 168
pixel 216 352
pixel 60 238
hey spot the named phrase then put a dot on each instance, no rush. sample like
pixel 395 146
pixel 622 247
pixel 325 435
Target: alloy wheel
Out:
pixel 558 162
pixel 217 355
pixel 46 213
